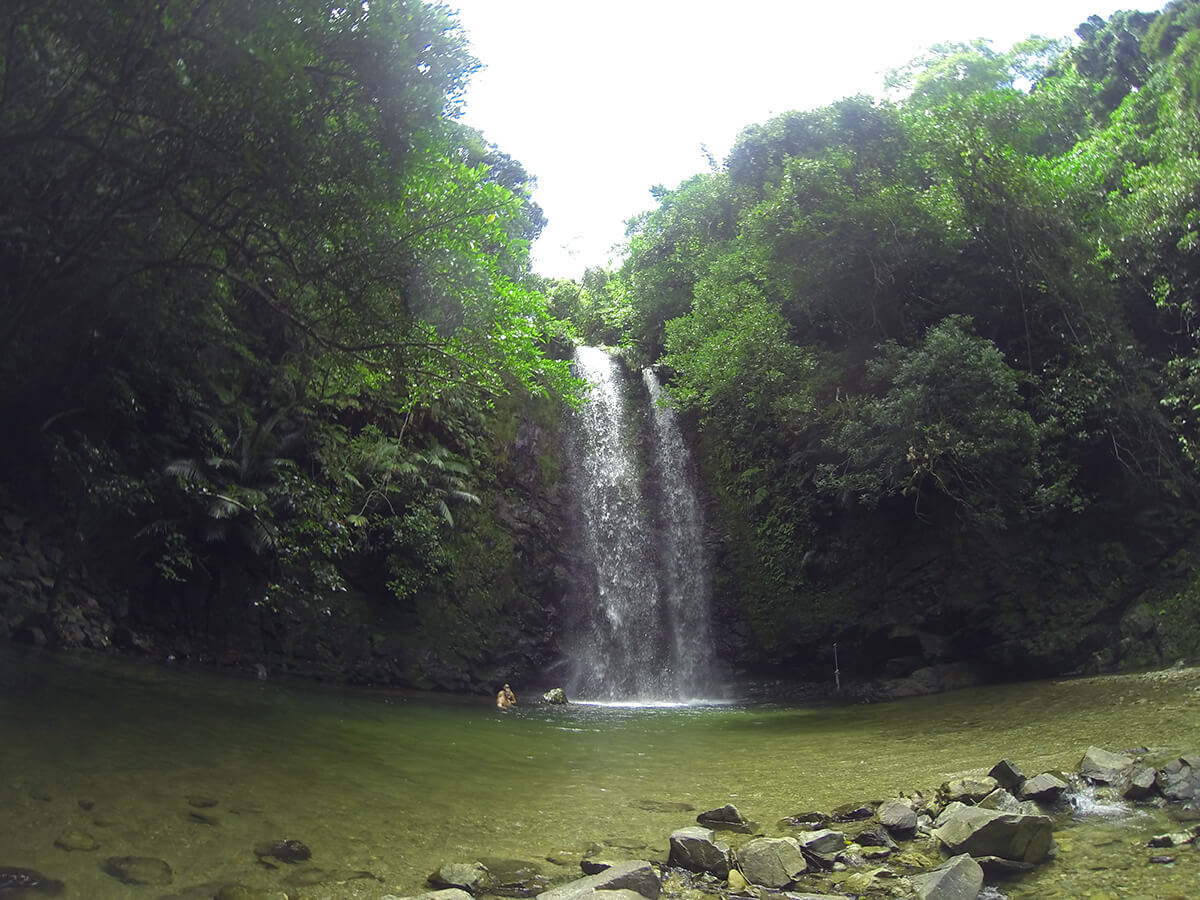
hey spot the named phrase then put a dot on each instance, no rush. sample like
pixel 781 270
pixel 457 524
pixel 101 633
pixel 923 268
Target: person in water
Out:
pixel 506 699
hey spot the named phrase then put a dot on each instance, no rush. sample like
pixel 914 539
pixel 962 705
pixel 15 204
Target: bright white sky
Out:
pixel 601 99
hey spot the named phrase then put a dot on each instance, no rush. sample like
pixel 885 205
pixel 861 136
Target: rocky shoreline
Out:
pixel 971 832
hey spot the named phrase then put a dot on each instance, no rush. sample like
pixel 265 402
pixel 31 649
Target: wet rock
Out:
pixel 695 850
pixel 1007 773
pixel 967 790
pixel 898 817
pixel 199 801
pixel 138 870
pixel 996 867
pixel 76 839
pixel 472 877
pixel 809 820
pixel 637 876
pixel 1178 839
pixel 515 877
pixel 1162 860
pixel 204 891
pixel 986 832
pixel 1142 783
pixel 853 812
pixel 556 696
pixel 878 836
pixel 725 818
pixel 444 894
pixel 1105 767
pixel 1179 779
pixel 285 850
pixel 595 865
pixel 203 818
pixel 772 862
pixel 1002 800
pixel 1044 788
pixel 822 846
pixel 17 881
pixel 959 878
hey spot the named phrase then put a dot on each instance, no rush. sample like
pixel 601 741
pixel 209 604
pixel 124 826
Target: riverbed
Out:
pixel 196 767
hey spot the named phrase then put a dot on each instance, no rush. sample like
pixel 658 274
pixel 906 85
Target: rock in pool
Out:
pixel 17 882
pixel 138 870
pixel 284 850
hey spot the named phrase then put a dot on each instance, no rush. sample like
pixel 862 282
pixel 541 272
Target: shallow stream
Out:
pixel 396 783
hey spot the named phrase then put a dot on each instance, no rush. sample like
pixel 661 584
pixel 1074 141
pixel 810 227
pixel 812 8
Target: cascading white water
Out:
pixel 637 626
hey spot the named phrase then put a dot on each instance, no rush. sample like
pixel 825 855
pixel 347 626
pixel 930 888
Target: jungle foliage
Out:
pixel 941 350
pixel 260 295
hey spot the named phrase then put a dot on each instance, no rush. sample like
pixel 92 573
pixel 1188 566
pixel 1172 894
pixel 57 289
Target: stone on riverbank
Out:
pixel 1007 774
pixel 822 847
pixel 694 849
pixel 959 878
pixel 899 818
pixel 1044 788
pixel 472 877
pixel 1105 767
pixel 636 876
pixel 985 832
pixel 970 789
pixel 772 862
pixel 1179 780
pixel 725 818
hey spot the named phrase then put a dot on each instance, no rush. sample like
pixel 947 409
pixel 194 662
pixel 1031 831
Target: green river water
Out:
pixel 396 783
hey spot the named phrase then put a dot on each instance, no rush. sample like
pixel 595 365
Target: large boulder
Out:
pixel 1179 780
pixel 637 876
pixel 772 862
pixel 959 878
pixel 1106 767
pixel 695 850
pixel 986 832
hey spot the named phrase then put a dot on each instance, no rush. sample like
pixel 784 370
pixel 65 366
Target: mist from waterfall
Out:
pixel 637 623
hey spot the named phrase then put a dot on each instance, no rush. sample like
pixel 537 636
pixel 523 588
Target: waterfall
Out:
pixel 637 624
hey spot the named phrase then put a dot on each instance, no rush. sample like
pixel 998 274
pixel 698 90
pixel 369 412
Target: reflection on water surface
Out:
pixel 395 783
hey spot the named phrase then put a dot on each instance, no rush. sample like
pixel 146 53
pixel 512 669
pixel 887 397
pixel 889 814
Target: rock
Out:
pixel 772 862
pixel 959 878
pixel 970 789
pixel 996 867
pixel 284 850
pixel 199 801
pixel 899 818
pixel 636 876
pixel 737 882
pixel 1045 788
pixel 138 870
pixel 1179 780
pixel 1142 783
pixel 878 836
pixel 822 846
pixel 516 877
pixel 556 696
pixel 1161 860
pixel 1105 767
pixel 986 832
pixel 725 818
pixel 1178 839
pixel 15 881
pixel 76 839
pixel 664 806
pixel 444 894
pixel 1007 774
pixel 202 818
pixel 694 849
pixel 1002 800
pixel 87 805
pixel 472 877
pixel 853 812
pixel 809 820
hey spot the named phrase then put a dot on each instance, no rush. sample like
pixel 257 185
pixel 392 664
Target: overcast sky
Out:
pixel 600 100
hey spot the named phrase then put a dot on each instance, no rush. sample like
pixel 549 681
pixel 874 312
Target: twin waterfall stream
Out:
pixel 639 629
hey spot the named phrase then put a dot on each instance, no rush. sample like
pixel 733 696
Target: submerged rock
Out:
pixel 16 881
pixel 727 818
pixel 515 877
pixel 307 877
pixel 76 839
pixel 285 850
pixel 138 870
pixel 472 877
